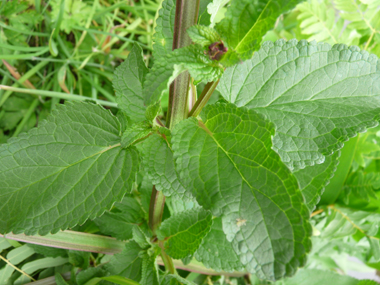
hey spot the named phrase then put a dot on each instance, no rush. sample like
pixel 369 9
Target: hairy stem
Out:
pixel 186 16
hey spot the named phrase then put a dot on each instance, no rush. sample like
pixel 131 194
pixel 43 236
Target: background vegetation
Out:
pixel 55 50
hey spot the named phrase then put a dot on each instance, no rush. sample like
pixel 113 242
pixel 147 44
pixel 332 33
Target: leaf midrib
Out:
pixel 204 127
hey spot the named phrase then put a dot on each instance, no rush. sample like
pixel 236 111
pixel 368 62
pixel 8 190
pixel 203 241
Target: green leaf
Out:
pixel 59 279
pixel 135 133
pixel 140 237
pixel 15 256
pixel 216 251
pixel 152 111
pixel 319 20
pixel 183 232
pixel 228 163
pixel 204 16
pixel 158 163
pixel 213 9
pixel 359 189
pixel 128 84
pixel 149 274
pixel 313 179
pixel 334 188
pixel 163 36
pixel 88 274
pixel 120 280
pixel 247 21
pixel 79 259
pixel 367 147
pixel 48 251
pixel 305 89
pixel 120 221
pixel 203 35
pixel 318 277
pixel 4 244
pixel 69 169
pixel 128 263
pixel 168 67
pixel 36 265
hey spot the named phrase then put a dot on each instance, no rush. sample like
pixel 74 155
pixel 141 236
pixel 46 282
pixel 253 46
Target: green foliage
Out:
pixel 168 67
pixel 312 179
pixel 128 263
pixel 163 36
pixel 252 197
pixel 120 221
pixel 78 146
pixel 310 117
pixel 246 22
pixel 245 186
pixel 183 232
pixel 128 84
pixel 216 251
pixel 203 35
pixel 158 163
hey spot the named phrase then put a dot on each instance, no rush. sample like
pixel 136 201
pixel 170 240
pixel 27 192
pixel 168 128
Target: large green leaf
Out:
pixel 183 232
pixel 128 263
pixel 120 221
pixel 157 159
pixel 128 84
pixel 216 251
pixel 163 36
pixel 168 67
pixel 316 95
pixel 247 21
pixel 313 179
pixel 67 170
pixel 228 164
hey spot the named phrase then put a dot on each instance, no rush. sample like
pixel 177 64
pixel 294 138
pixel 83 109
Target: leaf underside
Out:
pixel 317 96
pixel 313 179
pixel 228 164
pixel 67 170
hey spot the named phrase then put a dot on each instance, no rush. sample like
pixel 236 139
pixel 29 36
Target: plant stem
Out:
pixel 168 262
pixel 156 209
pixel 203 99
pixel 186 16
pixel 106 245
pixel 73 240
